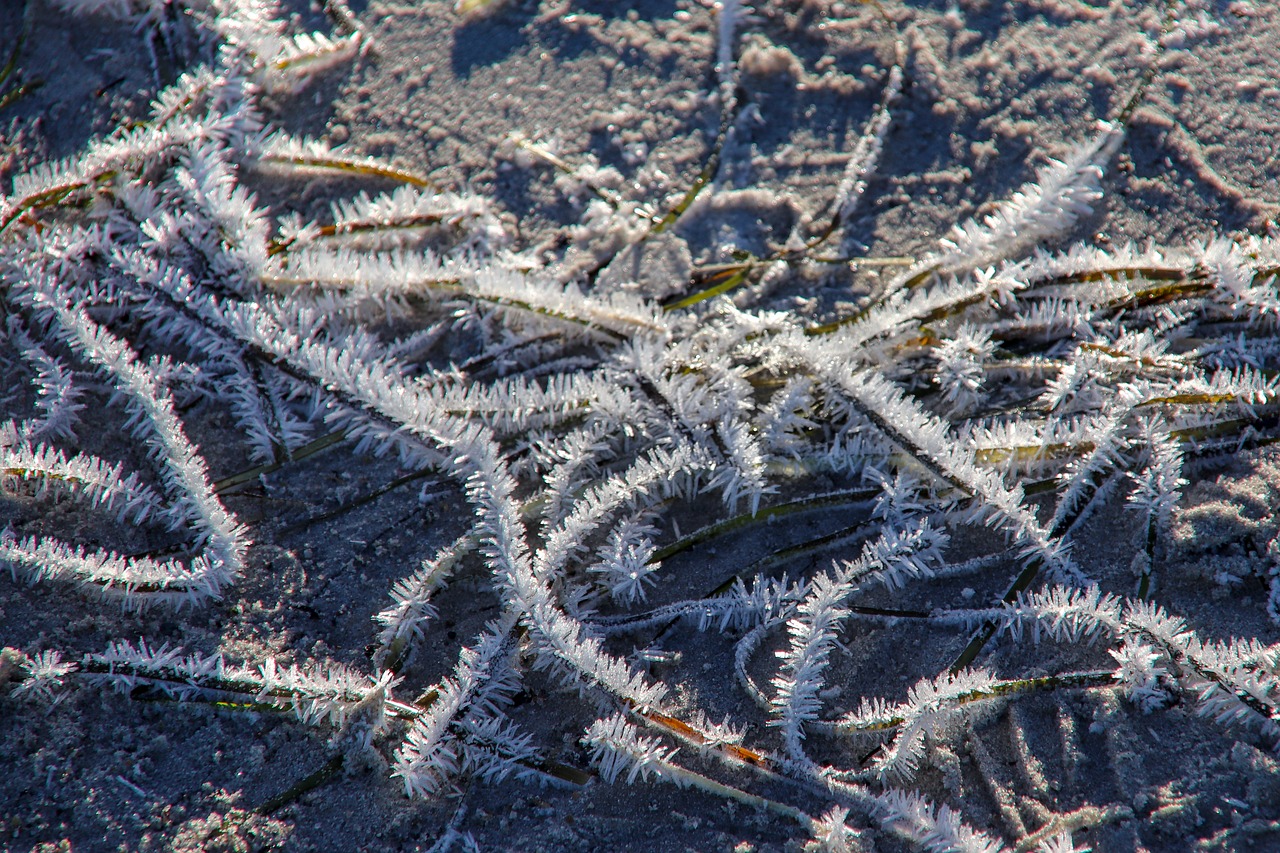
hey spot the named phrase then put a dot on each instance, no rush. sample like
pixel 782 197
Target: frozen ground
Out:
pixel 994 89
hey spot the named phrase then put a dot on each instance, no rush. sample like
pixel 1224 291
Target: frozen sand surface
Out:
pixel 995 89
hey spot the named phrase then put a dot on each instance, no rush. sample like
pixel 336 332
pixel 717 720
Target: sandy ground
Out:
pixel 995 89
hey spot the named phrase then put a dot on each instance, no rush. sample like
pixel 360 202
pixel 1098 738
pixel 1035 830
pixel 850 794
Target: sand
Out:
pixel 995 89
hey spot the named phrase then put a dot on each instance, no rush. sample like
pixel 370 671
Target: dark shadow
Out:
pixel 491 39
pixel 647 9
pixel 570 42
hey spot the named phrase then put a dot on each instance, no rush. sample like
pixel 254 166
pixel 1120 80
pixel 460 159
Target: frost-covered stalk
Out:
pixel 962 362
pixel 1158 488
pixel 1273 579
pixel 387 220
pixel 405 620
pixel 183 472
pixel 928 439
pixel 376 395
pixel 729 14
pixel 617 746
pixel 1237 285
pixel 57 396
pixel 1231 680
pixel 315 694
pixel 864 159
pixel 367 280
pixel 655 476
pixel 430 756
pixel 92 479
pixel 897 553
pixel 937 829
pixel 1063 191
pixel 933 705
pixel 40 676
